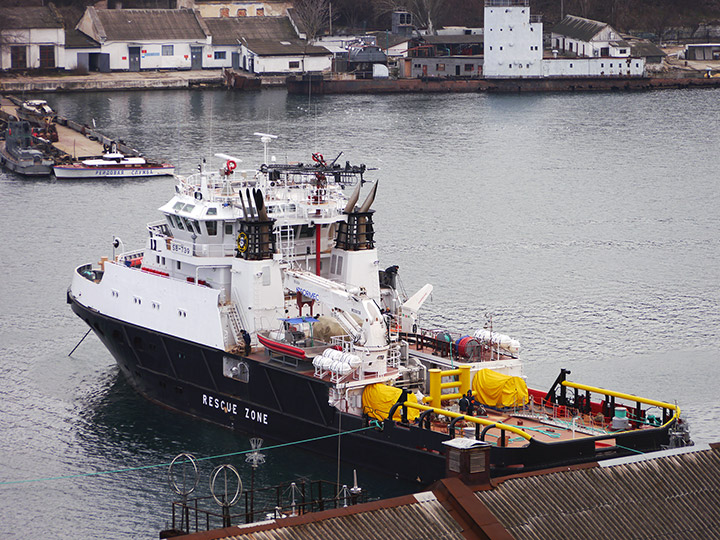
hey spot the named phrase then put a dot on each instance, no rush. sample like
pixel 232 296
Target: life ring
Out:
pixel 198 196
pixel 230 165
pixel 242 242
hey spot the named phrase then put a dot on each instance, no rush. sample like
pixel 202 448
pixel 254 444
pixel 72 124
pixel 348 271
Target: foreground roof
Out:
pixel 420 516
pixel 29 17
pixel 663 495
pixel 668 495
pixel 579 28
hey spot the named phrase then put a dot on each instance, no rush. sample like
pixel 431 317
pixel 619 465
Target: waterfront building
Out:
pixel 264 45
pixel 139 39
pixel 84 53
pixel 587 38
pixel 514 46
pixel 701 51
pixel 31 38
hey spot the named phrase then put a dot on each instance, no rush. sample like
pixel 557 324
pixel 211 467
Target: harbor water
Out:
pixel 585 225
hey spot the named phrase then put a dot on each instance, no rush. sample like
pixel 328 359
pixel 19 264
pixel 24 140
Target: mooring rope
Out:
pixel 373 425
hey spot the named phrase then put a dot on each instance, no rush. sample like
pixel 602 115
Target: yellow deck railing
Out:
pixel 436 386
pixel 472 419
pixel 629 397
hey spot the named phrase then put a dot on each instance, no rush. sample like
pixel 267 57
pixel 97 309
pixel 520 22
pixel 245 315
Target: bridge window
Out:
pixel 211 227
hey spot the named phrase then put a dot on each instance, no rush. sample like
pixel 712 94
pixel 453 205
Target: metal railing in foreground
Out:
pixel 284 500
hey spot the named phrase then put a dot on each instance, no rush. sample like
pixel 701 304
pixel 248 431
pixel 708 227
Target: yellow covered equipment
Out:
pixel 497 390
pixel 378 399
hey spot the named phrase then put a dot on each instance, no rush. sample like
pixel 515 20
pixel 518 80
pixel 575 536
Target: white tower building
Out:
pixel 513 40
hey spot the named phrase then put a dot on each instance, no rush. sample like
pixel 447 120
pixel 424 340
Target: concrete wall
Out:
pixel 212 54
pixel 151 56
pixel 32 39
pixel 513 45
pixel 71 56
pixel 593 67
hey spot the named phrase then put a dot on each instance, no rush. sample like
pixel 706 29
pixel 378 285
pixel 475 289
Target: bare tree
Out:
pixel 313 16
pixel 354 13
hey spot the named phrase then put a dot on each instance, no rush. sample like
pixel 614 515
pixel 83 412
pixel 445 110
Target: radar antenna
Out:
pixel 265 138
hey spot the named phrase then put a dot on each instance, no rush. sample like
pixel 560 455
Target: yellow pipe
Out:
pixel 620 395
pixel 435 376
pixel 464 379
pixel 455 395
pixel 473 419
pixel 453 384
pixel 629 397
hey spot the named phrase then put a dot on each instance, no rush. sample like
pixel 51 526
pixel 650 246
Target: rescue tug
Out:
pixel 258 304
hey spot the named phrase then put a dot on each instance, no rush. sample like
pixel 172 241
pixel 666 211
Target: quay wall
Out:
pixel 384 86
pixel 589 84
pixel 109 81
pixel 299 85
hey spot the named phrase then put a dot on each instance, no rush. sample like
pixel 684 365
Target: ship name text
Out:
pixel 232 408
pixel 307 293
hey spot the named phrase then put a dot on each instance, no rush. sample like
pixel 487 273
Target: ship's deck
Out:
pixel 542 422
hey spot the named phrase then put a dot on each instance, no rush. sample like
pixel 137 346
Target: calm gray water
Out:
pixel 587 224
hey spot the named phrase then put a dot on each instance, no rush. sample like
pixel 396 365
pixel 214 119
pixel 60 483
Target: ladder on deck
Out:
pixel 286 243
pixel 236 324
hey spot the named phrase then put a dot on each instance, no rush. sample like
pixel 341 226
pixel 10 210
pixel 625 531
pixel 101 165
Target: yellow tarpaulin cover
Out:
pixel 378 399
pixel 498 390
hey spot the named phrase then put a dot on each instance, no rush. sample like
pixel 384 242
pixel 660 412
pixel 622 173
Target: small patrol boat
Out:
pixel 258 304
pixel 112 164
pixel 19 152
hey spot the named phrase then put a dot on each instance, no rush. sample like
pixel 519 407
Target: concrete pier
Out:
pixel 74 139
pixel 11 83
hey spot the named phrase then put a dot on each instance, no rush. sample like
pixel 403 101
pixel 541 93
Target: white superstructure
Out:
pixel 513 48
pixel 513 45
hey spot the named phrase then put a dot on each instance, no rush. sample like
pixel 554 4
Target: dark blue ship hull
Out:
pixel 282 405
